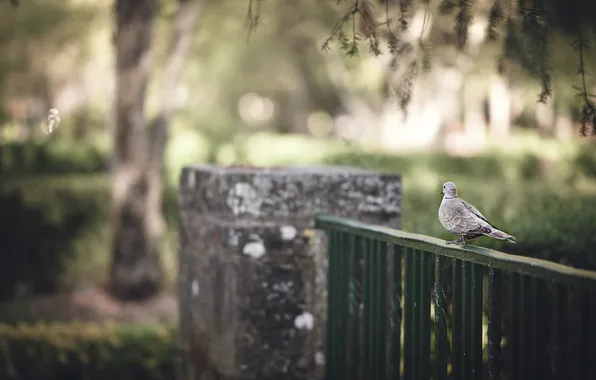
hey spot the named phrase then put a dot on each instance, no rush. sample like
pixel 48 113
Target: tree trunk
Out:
pixel 499 107
pixel 136 270
pixel 137 189
pixel 474 113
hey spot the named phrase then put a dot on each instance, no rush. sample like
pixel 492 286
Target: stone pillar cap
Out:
pixel 289 191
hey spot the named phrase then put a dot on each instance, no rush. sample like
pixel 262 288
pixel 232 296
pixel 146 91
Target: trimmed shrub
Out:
pixel 87 351
pixel 51 157
pixel 47 227
pixel 56 232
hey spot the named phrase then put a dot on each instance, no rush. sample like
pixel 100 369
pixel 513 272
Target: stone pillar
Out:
pixel 252 277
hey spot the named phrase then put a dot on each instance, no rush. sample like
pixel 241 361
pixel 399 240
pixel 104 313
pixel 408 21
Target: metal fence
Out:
pixel 407 306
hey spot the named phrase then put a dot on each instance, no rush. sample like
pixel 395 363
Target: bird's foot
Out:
pixel 460 241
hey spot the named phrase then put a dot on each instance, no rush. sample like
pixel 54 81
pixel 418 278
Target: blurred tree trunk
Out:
pixel 563 124
pixel 474 112
pixel 545 118
pixel 137 187
pixel 499 107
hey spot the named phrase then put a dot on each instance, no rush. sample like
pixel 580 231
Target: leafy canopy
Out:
pixel 525 28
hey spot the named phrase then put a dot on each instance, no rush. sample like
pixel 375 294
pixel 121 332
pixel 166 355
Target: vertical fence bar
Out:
pixel 382 310
pixel 424 316
pixel 342 294
pixel 466 319
pixel 592 332
pixel 476 322
pixel 375 314
pixel 368 308
pixel 417 327
pixel 559 347
pixel 514 337
pixel 396 314
pixel 373 309
pixel 534 342
pixel 441 338
pixel 542 316
pixel 378 339
pixel 331 311
pixel 355 344
pixel 409 314
pixel 494 323
pixel 456 318
pixel 522 326
pixel 588 335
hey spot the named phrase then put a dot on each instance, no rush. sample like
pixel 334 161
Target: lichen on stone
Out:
pixel 255 249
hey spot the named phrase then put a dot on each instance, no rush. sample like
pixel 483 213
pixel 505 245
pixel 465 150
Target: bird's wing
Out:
pixel 459 219
pixel 474 210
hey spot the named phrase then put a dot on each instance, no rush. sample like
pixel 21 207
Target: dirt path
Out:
pixel 91 305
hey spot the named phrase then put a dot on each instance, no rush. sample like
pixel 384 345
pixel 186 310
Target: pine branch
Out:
pixel 495 16
pixel 446 7
pixel 581 44
pixel 253 17
pixel 393 44
pixel 511 46
pixel 392 40
pixel 462 22
pixel 535 31
pixel 404 50
pixel 526 41
pixel 353 47
pixel 404 9
pixel 425 46
pixel 369 27
pixel 405 91
pixel 426 54
pixel 337 31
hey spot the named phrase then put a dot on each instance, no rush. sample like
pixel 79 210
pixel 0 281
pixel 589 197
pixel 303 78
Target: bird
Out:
pixel 52 121
pixel 461 218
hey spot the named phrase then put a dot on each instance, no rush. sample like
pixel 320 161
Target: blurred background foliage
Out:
pixel 276 99
pixel 87 351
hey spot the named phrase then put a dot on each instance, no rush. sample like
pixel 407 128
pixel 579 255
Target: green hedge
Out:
pixel 49 227
pixel 87 351
pixel 56 232
pixel 51 156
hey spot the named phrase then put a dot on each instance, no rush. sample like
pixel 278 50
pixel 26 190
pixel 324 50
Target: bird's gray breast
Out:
pixel 451 216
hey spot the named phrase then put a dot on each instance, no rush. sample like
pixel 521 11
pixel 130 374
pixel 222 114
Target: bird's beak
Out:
pixel 442 193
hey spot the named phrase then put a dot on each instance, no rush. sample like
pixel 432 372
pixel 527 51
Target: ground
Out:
pixel 95 304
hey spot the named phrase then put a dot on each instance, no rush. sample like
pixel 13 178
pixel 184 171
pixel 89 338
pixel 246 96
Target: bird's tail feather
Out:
pixel 498 234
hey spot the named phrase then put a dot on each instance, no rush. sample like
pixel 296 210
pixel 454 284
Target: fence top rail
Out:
pixel 547 270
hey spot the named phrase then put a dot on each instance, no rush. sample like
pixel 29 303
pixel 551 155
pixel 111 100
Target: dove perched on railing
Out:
pixel 461 218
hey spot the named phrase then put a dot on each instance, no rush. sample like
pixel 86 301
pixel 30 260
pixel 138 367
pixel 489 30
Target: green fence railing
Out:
pixel 407 306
